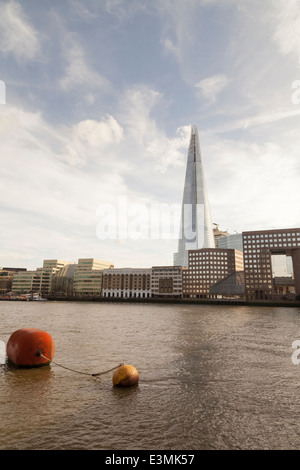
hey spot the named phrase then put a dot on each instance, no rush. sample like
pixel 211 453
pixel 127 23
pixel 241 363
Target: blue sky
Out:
pixel 100 97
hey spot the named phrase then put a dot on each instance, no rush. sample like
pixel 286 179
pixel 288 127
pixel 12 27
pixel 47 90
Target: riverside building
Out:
pixel 259 247
pixel 166 281
pixel 233 241
pixel 23 282
pixel 206 267
pixel 38 281
pixel 127 283
pixel 62 283
pixel 43 278
pixel 88 277
pixel 219 234
pixel 196 229
pixel 6 278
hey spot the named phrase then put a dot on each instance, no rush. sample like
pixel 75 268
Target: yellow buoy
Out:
pixel 125 376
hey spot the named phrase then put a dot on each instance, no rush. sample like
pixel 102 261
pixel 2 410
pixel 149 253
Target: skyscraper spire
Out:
pixel 196 230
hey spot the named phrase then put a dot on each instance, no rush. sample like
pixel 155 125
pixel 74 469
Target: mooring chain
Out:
pixel 80 372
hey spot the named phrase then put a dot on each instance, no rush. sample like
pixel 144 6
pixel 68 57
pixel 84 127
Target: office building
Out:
pixel 259 248
pixel 6 278
pixel 24 282
pixel 218 234
pixel 127 283
pixel 38 281
pixel 166 281
pixel 206 267
pixel 232 241
pixel 42 280
pixel 85 264
pixel 62 283
pixel 88 277
pixel 231 287
pixel 196 229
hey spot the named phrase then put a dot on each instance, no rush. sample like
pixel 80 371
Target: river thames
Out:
pixel 211 377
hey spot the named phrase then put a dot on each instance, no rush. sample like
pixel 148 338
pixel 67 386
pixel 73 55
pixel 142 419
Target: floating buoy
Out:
pixel 27 346
pixel 125 376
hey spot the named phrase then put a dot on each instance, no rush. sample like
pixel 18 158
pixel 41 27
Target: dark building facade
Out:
pixel 258 248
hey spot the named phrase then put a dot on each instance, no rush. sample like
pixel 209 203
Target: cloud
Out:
pixel 89 137
pixel 169 152
pixel 53 179
pixel 261 119
pixel 152 145
pixel 285 19
pixel 252 185
pixel 210 87
pixel 17 36
pixel 177 26
pixel 78 72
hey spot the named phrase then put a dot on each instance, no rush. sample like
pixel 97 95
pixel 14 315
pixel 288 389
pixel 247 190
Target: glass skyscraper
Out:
pixel 196 230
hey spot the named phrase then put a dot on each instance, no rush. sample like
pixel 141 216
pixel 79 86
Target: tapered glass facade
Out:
pixel 196 230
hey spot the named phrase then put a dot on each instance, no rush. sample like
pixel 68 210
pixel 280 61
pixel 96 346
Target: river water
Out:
pixel 211 377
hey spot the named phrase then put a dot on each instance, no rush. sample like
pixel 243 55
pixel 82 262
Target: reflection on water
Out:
pixel 211 377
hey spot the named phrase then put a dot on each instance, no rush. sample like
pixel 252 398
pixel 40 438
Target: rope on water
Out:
pixel 80 372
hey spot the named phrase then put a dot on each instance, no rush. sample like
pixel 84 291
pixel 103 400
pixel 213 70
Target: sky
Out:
pixel 97 99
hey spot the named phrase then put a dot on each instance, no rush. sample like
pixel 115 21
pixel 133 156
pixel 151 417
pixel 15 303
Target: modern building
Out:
pixel 284 286
pixel 166 281
pixel 24 282
pixel 62 283
pixel 232 286
pixel 196 229
pixel 6 278
pixel 232 241
pixel 279 266
pixel 219 233
pixel 206 267
pixel 127 283
pixel 259 248
pixel 85 264
pixel 38 281
pixel 88 277
pixel 42 281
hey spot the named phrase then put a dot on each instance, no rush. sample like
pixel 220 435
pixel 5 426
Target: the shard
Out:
pixel 196 230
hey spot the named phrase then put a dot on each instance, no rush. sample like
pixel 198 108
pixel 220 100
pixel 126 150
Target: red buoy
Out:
pixel 25 346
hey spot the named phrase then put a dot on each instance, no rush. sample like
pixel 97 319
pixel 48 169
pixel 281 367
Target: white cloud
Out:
pixel 153 147
pixel 252 186
pixel 87 138
pixel 170 47
pixel 169 152
pixel 285 20
pixel 210 87
pixel 272 116
pixel 177 25
pixel 49 201
pixel 17 35
pixel 99 134
pixel 78 71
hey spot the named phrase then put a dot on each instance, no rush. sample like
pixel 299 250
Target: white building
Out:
pixel 126 283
